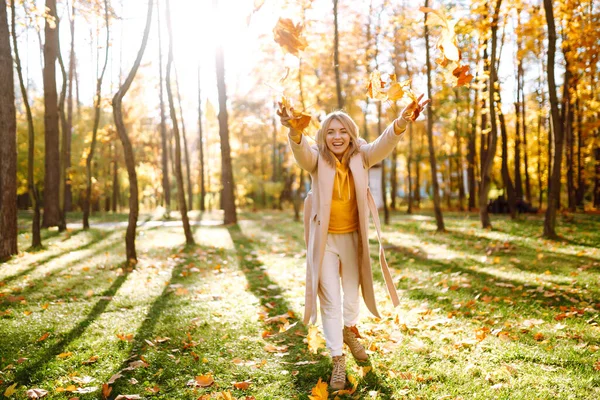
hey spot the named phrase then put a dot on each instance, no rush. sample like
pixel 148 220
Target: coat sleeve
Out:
pixel 381 147
pixel 306 155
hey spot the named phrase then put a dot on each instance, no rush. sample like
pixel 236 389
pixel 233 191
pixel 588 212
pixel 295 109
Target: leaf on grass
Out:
pixel 128 397
pixel 36 393
pixel 539 336
pixel 319 392
pixel 90 360
pixel 276 349
pixel 315 341
pixel 289 36
pixel 202 380
pixel 89 389
pixel 125 337
pixel 154 389
pixel 44 337
pixel 11 390
pixel 106 390
pixel 65 355
pixel 114 378
pixel 242 385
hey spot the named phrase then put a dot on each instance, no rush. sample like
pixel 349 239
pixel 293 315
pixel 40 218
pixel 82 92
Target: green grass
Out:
pixel 500 314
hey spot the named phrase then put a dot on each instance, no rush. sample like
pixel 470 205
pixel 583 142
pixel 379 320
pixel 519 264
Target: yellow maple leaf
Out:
pixel 298 120
pixel 315 341
pixel 289 36
pixel 375 86
pixel 319 392
pixel 11 390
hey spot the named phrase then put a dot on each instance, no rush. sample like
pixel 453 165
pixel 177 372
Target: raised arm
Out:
pixel 305 154
pixel 381 147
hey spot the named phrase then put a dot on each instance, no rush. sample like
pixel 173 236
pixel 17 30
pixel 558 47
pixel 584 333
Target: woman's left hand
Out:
pixel 412 111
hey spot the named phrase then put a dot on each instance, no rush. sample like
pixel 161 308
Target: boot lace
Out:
pixel 339 369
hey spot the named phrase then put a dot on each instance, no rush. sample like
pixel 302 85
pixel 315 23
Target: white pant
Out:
pixel 340 260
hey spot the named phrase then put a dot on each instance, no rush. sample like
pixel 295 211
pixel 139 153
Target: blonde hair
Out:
pixel 350 127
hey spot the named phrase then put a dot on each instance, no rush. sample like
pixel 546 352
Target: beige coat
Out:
pixel 317 208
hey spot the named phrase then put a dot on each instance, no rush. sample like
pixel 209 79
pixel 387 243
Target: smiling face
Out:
pixel 337 138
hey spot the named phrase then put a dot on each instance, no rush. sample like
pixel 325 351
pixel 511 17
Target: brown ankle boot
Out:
pixel 338 374
pixel 350 338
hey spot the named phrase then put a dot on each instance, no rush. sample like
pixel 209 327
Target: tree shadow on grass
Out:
pixel 97 237
pixel 27 373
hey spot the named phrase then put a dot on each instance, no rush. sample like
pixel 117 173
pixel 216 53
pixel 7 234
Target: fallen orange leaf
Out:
pixel 319 392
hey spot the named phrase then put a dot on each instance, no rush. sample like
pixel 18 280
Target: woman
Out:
pixel 336 220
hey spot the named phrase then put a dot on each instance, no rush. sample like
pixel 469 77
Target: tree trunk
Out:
pixel 490 151
pixel 36 241
pixel 163 127
pixel 557 127
pixel 201 148
pixel 436 191
pixel 51 136
pixel 518 180
pixel 336 56
pixel 409 157
pixel 127 147
pixel 97 110
pixel 394 179
pixel 68 195
pixel 597 175
pixel 508 184
pixel 419 156
pixel 386 210
pixel 190 189
pixel 8 149
pixel 189 237
pixel 227 182
pixel 115 184
pixel 580 167
pixel 64 127
pixel 471 155
pixel 567 118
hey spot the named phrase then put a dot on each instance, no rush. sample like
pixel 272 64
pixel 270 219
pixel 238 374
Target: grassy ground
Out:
pixel 500 314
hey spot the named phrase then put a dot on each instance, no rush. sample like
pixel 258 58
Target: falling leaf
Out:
pixel 11 390
pixel 289 36
pixel 447 41
pixel 36 393
pixel 375 86
pixel 319 392
pixel 298 120
pixel 463 75
pixel 315 341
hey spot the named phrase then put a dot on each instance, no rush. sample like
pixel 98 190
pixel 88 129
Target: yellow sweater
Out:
pixel 344 209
